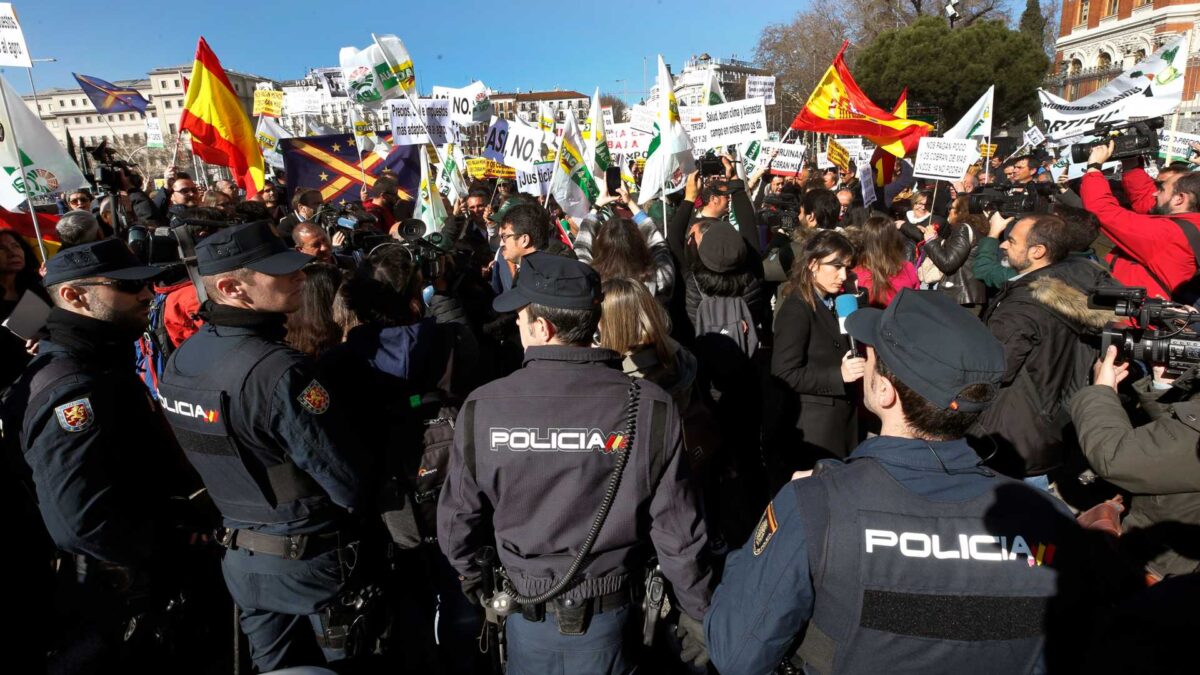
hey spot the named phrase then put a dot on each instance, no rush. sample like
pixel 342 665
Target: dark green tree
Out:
pixel 952 69
pixel 1032 22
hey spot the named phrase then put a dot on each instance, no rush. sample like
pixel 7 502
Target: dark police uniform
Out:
pixel 265 436
pixel 532 458
pixel 102 462
pixel 910 557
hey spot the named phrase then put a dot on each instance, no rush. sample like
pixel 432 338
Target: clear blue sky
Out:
pixel 531 45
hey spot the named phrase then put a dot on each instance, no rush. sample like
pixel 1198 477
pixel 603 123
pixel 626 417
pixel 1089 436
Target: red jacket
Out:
pixel 1145 244
pixel 179 311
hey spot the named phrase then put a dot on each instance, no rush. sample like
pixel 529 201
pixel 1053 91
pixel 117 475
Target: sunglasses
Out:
pixel 130 286
pixel 188 191
pixel 79 200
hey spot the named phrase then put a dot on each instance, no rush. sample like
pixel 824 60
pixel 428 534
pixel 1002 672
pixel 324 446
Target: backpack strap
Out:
pixel 658 439
pixel 468 431
pixel 1193 236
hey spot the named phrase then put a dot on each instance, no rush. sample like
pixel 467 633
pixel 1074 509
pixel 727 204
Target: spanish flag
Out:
pixel 214 116
pixel 838 106
pixel 901 108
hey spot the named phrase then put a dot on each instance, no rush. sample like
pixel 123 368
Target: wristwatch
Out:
pixel 1095 165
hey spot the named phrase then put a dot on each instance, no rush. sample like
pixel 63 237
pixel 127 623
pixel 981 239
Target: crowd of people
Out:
pixel 843 436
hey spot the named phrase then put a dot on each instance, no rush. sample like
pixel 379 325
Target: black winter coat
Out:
pixel 954 255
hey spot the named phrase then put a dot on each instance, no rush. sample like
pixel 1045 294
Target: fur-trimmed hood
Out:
pixel 1069 302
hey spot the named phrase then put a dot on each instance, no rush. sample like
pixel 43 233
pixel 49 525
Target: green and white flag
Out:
pixel 712 95
pixel 545 122
pixel 430 208
pixel 40 166
pixel 977 123
pixel 450 180
pixel 374 75
pixel 572 185
pixel 595 143
pixel 669 157
pixel 269 134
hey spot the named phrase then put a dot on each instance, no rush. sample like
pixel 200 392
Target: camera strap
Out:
pixel 1193 236
pixel 187 253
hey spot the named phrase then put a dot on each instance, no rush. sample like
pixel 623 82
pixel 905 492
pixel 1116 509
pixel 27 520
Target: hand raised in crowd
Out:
pixel 1107 372
pixel 460 206
pixel 339 239
pixel 853 367
pixel 996 225
pixel 605 199
pixel 1101 153
pixel 692 190
pixel 1159 373
pixel 1195 156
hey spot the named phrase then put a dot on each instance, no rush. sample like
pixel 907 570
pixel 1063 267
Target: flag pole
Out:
pixel 408 95
pixel 37 230
pixel 1175 119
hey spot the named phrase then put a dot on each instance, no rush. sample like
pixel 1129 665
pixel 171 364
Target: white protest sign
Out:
pixel 302 103
pixel 607 111
pixel 513 144
pixel 536 182
pixel 154 137
pixel 407 129
pixel 731 123
pixel 761 86
pixel 1034 137
pixel 13 51
pixel 823 161
pixel 642 118
pixel 789 160
pixel 1180 149
pixel 468 105
pixel 852 144
pixel 627 142
pixel 867 181
pixel 944 158
pixel 693 121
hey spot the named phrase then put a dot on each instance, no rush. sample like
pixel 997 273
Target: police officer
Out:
pixel 535 456
pixel 101 459
pixel 265 436
pixel 910 556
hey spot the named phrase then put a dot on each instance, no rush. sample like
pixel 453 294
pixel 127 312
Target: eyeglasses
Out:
pixel 122 285
pixel 187 191
pixel 79 200
pixel 508 236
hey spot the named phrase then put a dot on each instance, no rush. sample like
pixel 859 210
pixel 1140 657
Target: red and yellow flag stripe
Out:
pixel 220 129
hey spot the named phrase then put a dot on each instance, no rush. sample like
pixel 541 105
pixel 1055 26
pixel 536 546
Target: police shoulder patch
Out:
pixel 767 525
pixel 75 416
pixel 314 398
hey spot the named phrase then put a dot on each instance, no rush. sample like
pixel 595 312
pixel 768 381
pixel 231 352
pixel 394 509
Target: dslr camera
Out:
pixel 350 220
pixel 1163 333
pixel 110 174
pixel 1130 139
pixel 1011 200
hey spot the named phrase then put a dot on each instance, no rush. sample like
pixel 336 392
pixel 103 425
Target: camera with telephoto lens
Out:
pixel 1011 200
pixel 1163 334
pixel 1130 139
pixel 350 220
pixel 430 251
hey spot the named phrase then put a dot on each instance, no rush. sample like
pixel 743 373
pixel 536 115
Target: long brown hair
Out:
pixel 961 209
pixel 631 318
pixel 311 328
pixel 883 255
pixel 819 246
pixel 620 251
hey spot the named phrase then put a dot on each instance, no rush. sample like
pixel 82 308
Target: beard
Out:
pixel 1159 210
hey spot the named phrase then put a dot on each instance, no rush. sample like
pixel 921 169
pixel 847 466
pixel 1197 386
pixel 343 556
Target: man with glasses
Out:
pixel 101 459
pixel 1156 248
pixel 79 200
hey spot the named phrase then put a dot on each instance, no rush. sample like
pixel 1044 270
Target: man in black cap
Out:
pixel 566 445
pixel 911 555
pixel 267 439
pixel 101 459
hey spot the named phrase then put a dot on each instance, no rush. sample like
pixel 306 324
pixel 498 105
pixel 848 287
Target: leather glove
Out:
pixel 694 649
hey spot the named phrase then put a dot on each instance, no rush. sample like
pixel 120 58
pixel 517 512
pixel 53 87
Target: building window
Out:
pixel 1112 8
pixel 172 128
pixel 76 120
pixel 1104 60
pixel 88 119
pixel 1083 12
pixel 167 104
pixel 1076 66
pixel 176 83
pixel 1141 53
pixel 72 102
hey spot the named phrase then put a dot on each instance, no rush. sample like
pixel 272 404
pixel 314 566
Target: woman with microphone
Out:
pixel 813 366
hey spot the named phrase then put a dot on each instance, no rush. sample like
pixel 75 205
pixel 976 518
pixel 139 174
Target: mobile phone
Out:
pixel 612 176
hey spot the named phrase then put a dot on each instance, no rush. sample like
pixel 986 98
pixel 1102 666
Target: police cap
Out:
pixel 553 281
pixel 250 245
pixel 108 258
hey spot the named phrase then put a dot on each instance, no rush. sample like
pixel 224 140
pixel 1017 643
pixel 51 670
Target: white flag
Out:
pixel 712 95
pixel 40 166
pixel 450 181
pixel 374 75
pixel 545 122
pixel 269 133
pixel 669 157
pixel 595 144
pixel 430 208
pixel 572 184
pixel 977 123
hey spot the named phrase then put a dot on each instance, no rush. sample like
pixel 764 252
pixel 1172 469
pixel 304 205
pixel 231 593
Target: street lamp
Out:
pixel 29 72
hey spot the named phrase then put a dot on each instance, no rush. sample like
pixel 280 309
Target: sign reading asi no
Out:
pixel 513 144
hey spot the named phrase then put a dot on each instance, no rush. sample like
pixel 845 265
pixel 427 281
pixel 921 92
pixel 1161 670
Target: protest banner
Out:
pixel 852 144
pixel 735 123
pixel 693 121
pixel 154 137
pixel 469 105
pixel 302 103
pixel 513 144
pixel 536 182
pixel 986 150
pixel 407 129
pixel 332 81
pixel 838 155
pixel 268 103
pixel 1034 137
pixel 944 158
pixel 481 167
pixel 626 142
pixel 1178 145
pixel 823 161
pixel 789 160
pixel 761 86
pixel 13 51
pixel 609 121
pixel 867 181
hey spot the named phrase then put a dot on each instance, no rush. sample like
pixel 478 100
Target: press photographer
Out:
pixel 1156 250
pixel 1155 462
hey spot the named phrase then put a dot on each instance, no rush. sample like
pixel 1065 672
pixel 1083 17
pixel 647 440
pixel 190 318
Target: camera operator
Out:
pixel 1153 250
pixel 312 239
pixel 1042 318
pixel 1156 462
pixel 305 203
pixel 1024 170
pixel 469 229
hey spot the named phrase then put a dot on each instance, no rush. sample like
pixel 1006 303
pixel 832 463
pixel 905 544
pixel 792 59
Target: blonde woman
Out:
pixel 634 325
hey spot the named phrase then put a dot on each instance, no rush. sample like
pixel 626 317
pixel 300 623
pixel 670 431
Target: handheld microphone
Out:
pixel 845 305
